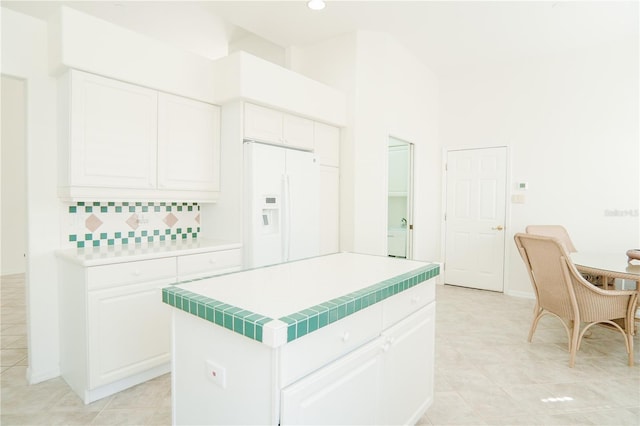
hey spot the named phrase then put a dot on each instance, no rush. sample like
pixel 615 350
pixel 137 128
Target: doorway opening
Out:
pixel 400 199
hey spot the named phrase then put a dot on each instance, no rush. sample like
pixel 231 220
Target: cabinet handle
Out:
pixel 345 336
pixel 387 345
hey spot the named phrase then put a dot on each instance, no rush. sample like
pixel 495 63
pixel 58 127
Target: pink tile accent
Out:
pixel 133 221
pixel 198 218
pixel 170 220
pixel 92 223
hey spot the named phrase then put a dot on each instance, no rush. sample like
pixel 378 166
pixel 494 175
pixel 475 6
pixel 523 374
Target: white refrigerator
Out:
pixel 282 193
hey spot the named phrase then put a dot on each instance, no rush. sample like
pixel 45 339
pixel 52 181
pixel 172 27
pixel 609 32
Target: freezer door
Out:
pixel 302 236
pixel 264 182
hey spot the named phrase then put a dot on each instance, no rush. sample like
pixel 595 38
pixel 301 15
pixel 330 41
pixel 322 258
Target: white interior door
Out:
pixel 475 218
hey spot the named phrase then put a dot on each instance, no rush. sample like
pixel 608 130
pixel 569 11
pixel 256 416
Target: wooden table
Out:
pixel 607 265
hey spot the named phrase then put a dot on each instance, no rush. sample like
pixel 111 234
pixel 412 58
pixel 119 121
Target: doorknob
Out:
pixel 498 228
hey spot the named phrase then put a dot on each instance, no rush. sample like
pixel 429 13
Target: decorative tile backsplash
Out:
pixel 96 224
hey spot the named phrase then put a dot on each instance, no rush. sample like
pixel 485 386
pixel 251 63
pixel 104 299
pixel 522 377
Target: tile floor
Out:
pixel 486 372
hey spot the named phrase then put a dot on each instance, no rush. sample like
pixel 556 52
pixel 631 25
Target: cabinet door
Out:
pixel 129 331
pixel 262 124
pixel 298 132
pixel 344 392
pixel 408 367
pixel 327 144
pixel 329 210
pixel 113 133
pixel 188 144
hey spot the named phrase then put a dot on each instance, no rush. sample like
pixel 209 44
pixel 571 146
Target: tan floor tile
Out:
pixel 10 357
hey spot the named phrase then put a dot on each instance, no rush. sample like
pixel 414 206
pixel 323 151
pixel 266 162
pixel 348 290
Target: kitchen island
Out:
pixel 338 339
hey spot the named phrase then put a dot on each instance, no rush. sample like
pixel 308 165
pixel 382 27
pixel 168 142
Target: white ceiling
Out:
pixel 443 34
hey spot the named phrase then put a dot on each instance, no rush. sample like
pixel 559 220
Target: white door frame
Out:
pixel 443 226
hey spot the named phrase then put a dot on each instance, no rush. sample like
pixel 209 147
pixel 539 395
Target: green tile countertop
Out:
pixel 94 256
pixel 277 304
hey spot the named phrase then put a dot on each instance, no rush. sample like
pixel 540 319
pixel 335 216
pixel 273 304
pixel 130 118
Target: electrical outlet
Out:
pixel 216 373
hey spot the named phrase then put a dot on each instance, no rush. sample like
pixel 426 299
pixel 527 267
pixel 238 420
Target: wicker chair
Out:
pixel 559 232
pixel 562 292
pixel 556 231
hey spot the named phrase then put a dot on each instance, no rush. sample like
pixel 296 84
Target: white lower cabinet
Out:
pixel 115 330
pixel 408 349
pixel 344 392
pixel 127 330
pixel 375 366
pixel 387 381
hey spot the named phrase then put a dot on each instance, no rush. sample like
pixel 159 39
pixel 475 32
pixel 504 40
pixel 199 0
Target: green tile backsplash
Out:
pixel 109 223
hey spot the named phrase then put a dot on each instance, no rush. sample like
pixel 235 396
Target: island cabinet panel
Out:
pixel 345 392
pixel 363 386
pixel 336 339
pixel 245 395
pixel 307 354
pixel 399 307
pixel 408 357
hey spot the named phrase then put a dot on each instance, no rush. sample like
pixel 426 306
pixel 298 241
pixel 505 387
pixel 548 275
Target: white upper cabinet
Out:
pixel 268 125
pixel 298 132
pixel 327 144
pixel 113 133
pixel 188 144
pixel 262 124
pixel 120 141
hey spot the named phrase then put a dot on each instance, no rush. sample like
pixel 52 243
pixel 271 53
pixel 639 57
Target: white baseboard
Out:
pixel 522 294
pixel 33 377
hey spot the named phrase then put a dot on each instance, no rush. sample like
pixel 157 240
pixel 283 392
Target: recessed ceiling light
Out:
pixel 316 4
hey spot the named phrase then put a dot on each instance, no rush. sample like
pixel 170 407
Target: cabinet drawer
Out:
pixel 203 264
pixel 402 304
pixel 131 272
pixel 316 349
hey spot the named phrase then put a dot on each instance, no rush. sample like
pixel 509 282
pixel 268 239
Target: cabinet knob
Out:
pixel 136 272
pixel 345 336
pixel 415 299
pixel 212 261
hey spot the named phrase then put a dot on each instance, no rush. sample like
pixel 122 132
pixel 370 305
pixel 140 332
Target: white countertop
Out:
pixel 279 290
pixel 94 256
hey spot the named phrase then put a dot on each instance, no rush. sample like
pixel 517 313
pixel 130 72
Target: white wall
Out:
pixel 14 199
pixel 571 122
pixel 24 55
pixel 389 93
pixel 260 47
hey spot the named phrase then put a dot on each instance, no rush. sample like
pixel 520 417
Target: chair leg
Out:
pixel 629 333
pixel 573 345
pixel 537 314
